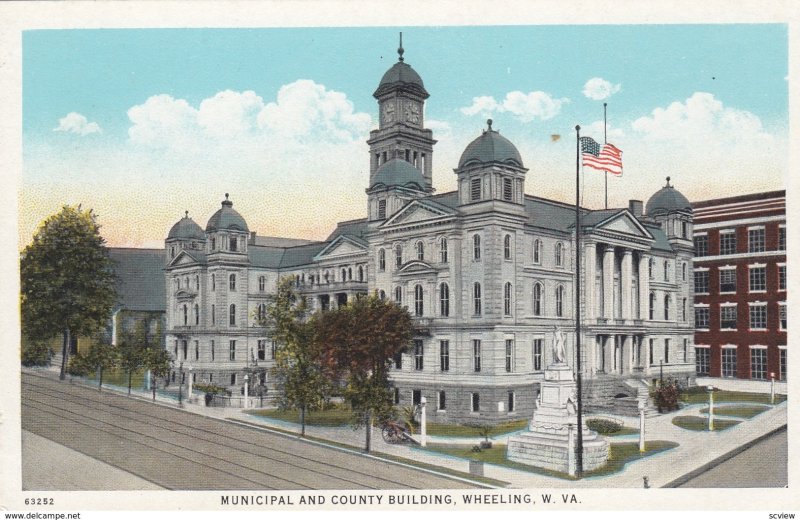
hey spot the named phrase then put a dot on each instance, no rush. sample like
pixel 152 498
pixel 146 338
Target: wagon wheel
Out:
pixel 389 434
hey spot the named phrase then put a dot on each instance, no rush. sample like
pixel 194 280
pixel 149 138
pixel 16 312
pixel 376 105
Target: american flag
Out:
pixel 604 157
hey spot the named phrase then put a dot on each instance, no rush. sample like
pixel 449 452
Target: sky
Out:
pixel 142 125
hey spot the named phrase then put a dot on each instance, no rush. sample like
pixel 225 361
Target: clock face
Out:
pixel 412 113
pixel 388 112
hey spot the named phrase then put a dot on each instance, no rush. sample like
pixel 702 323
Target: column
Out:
pixel 589 266
pixel 625 285
pixel 608 282
pixel 644 286
pixel 627 354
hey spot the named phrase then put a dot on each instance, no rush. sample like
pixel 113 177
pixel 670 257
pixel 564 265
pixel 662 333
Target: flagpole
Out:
pixel 605 141
pixel 579 447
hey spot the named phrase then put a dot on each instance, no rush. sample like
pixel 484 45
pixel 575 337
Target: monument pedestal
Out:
pixel 552 434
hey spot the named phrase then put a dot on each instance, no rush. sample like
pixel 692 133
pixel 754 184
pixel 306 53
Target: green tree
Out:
pixel 298 373
pixel 67 279
pixel 159 363
pixel 357 343
pixel 100 357
pixel 35 353
pixel 133 350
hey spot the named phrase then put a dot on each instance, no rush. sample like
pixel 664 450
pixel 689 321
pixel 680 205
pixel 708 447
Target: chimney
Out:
pixel 636 207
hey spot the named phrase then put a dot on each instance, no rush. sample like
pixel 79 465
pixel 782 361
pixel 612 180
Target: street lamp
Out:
pixel 641 427
pixel 710 408
pixel 189 392
pixel 772 387
pixel 246 379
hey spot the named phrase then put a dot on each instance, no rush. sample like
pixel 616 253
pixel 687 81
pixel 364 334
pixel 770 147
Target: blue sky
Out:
pixel 144 124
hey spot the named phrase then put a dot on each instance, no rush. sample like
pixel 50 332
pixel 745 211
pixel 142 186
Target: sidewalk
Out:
pixel 696 448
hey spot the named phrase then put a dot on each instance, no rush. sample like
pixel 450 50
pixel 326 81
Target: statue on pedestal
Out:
pixel 559 350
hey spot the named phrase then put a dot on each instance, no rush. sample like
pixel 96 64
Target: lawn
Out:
pixel 690 422
pixel 462 430
pixel 619 455
pixel 742 411
pixel 335 416
pixel 699 395
pixel 119 377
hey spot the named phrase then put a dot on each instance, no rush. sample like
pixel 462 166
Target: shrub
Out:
pixel 210 389
pixel 604 426
pixel 666 397
pixel 36 354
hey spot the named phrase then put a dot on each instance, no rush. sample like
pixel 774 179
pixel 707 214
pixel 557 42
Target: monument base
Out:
pixel 552 437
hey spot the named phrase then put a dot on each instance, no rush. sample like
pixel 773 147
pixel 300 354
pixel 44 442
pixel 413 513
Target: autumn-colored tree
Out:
pixel 67 281
pixel 300 380
pixel 357 342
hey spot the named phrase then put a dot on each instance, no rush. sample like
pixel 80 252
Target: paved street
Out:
pixel 175 449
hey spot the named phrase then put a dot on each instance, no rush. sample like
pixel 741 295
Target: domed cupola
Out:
pixel 227 230
pixel 490 147
pixel 667 200
pixel 184 234
pixel 669 208
pixel 398 173
pixel 401 76
pixel 491 168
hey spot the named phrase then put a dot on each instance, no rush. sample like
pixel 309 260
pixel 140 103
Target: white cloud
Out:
pixel 76 123
pixel 599 89
pixel 229 113
pixel 161 121
pixel 526 107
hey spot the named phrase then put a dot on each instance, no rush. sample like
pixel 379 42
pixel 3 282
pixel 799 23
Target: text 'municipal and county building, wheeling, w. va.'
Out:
pixel 487 272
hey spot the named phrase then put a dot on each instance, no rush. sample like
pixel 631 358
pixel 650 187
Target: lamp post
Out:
pixel 641 427
pixel 772 387
pixel 710 408
pixel 189 392
pixel 246 380
pixel 423 422
pixel 180 384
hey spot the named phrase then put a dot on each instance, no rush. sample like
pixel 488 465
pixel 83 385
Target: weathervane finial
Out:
pixel 187 214
pixel 400 49
pixel 668 186
pixel 489 124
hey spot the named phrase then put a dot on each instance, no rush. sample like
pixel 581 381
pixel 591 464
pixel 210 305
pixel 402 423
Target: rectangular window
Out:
pixel 508 189
pixel 781 277
pixel 758 363
pixel 701 317
pixel 782 315
pixel 727 243
pixel 728 362
pixel 262 350
pixel 666 351
pixel 416 397
pixel 213 353
pixel 476 402
pixel 232 350
pixel 783 363
pixel 441 402
pixel 537 354
pixel 701 361
pixel 651 353
pixel 418 354
pixel 509 355
pixel 196 350
pixel 727 317
pixel 476 355
pixel 233 379
pixel 727 280
pixel 382 209
pixel 511 402
pixel 398 361
pixel 781 238
pixel 273 349
pixel 475 189
pixel 756 240
pixel 758 317
pixel 444 356
pixel 758 279
pixel 701 282
pixel 701 245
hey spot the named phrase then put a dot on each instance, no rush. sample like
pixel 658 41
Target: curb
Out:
pixel 722 458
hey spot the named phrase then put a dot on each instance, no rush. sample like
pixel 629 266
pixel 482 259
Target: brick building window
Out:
pixel 476 298
pixel 381 260
pixel 560 301
pixel 419 354
pixel 444 355
pixel 701 282
pixel 559 255
pixel 758 316
pixel 537 354
pixel 509 355
pixel 701 360
pixel 507 247
pixel 232 350
pixel 727 242
pixel 756 240
pixel 537 251
pixel 758 362
pixel 476 247
pixel 232 282
pixel 476 355
pixel 420 251
pixel 701 317
pixel 782 364
pixel 782 238
pixel 701 245
pixel 398 256
pixel 507 292
pixel 727 280
pixel 441 402
pixel 511 402
pixel 398 295
pixel 476 402
pixel 443 250
pixel 728 362
pixel 444 300
pixel 781 277
pixel 727 317
pixel 418 300
pixel 782 323
pixel 262 350
pixel 758 278
pixel 537 299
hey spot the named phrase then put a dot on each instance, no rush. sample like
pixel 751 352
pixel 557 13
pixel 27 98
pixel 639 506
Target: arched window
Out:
pixel 232 315
pixel 418 307
pixel 196 314
pixel 560 301
pixel 652 312
pixel 683 310
pixel 398 295
pixel 398 256
pixel 381 260
pixel 666 307
pixel 213 315
pixel 443 250
pixel 213 282
pixel 507 247
pixel 537 251
pixel 382 295
pixel 327 277
pixel 476 298
pixel 650 264
pixel 537 299
pixel 507 299
pixel 262 283
pixel 349 273
pixel 666 270
pixel 683 271
pixel 420 250
pixel 344 274
pixel 232 282
pixel 360 273
pixel 185 315
pixel 444 300
pixel 262 312
pixel 476 247
pixel 559 255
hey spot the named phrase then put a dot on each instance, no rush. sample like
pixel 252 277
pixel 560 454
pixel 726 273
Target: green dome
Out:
pixel 186 228
pixel 667 200
pixel 226 218
pixel 490 147
pixel 398 172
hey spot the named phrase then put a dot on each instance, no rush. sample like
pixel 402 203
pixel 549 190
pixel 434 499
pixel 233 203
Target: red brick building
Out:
pixel 740 286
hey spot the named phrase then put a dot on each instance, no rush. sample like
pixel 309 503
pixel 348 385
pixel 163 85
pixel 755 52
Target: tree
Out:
pixel 300 379
pixel 159 363
pixel 35 353
pixel 357 343
pixel 101 356
pixel 133 350
pixel 67 279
